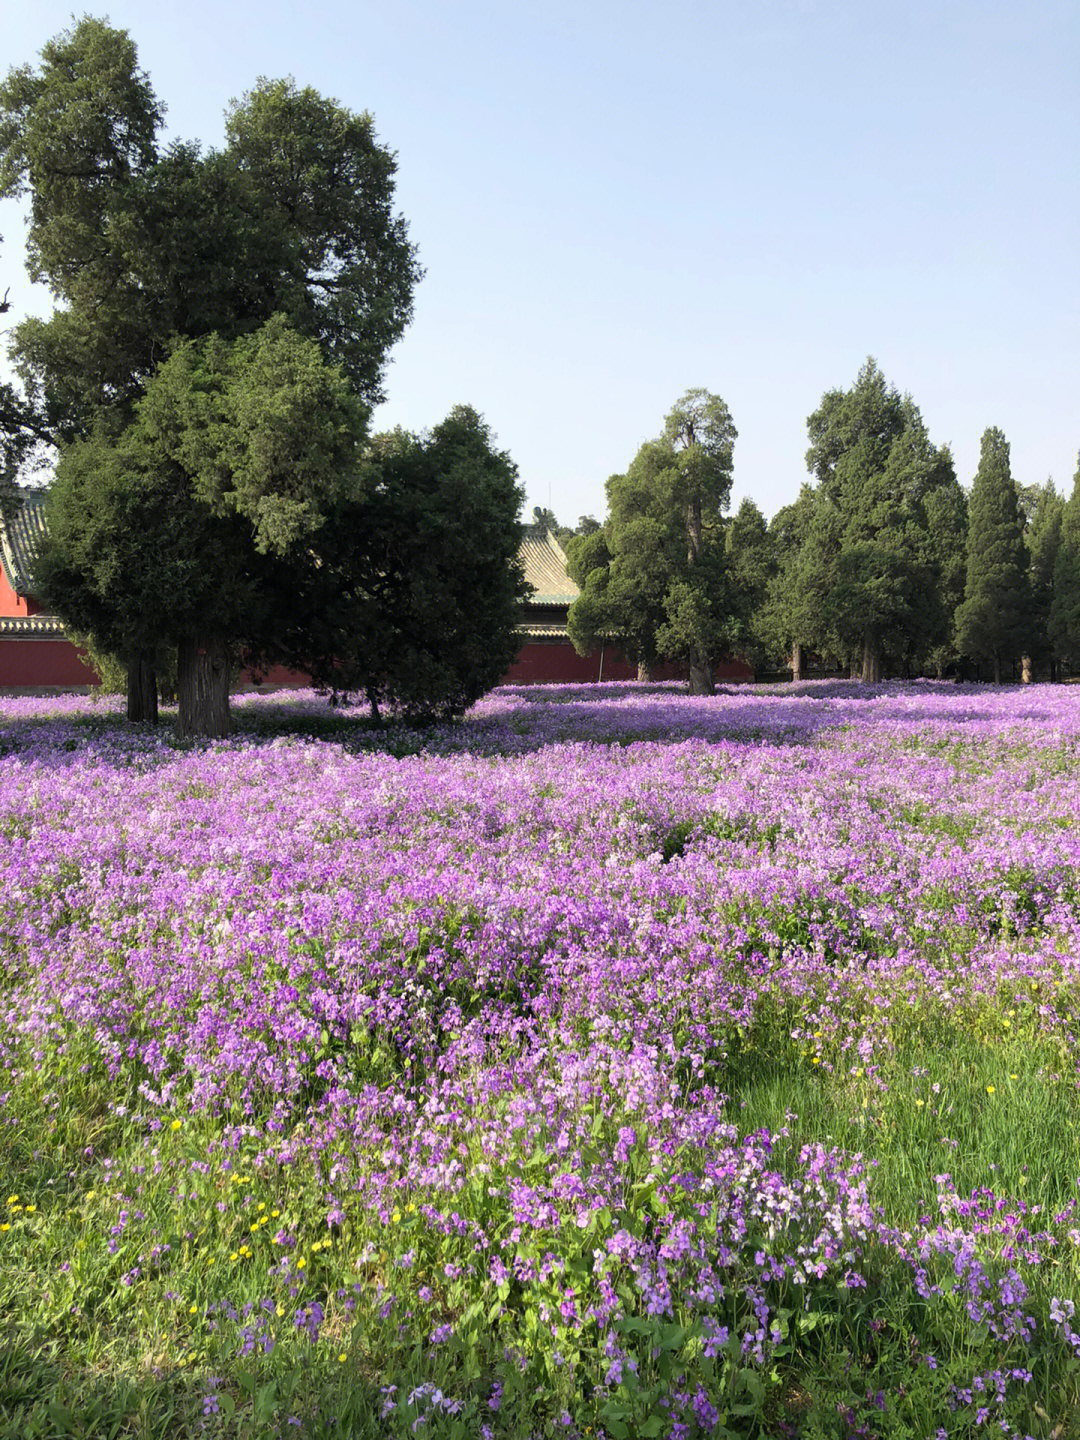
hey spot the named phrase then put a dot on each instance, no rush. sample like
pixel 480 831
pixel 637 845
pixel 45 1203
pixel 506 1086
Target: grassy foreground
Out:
pixel 721 1085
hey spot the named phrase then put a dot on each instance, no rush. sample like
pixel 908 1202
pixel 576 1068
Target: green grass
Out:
pixel 83 1355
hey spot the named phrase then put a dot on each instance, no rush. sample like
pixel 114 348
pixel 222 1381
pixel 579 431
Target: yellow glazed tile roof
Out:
pixel 544 563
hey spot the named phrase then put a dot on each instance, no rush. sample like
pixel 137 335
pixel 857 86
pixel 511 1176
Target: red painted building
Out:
pixel 36 656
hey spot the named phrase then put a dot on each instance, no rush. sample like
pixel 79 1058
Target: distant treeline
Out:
pixel 882 566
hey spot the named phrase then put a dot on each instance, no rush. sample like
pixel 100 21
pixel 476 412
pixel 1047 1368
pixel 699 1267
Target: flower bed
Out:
pixel 613 1062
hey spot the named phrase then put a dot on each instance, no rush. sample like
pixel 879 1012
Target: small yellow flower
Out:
pixel 235 1255
pixel 265 1220
pixel 990 1089
pixel 920 1103
pixel 275 1213
pixel 410 1209
pixel 343 1358
pixel 31 1209
pixel 176 1124
pixel 15 1209
pixel 254 1227
pixel 194 1310
pixel 300 1264
pixel 13 1199
pixel 90 1194
pixel 817 1059
pixel 5 1226
pixel 280 1311
pixel 1014 1077
pixel 261 1205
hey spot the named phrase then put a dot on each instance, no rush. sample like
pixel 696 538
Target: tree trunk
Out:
pixel 796 662
pixel 701 678
pixel 871 663
pixel 997 671
pixel 142 689
pixel 202 689
pixel 1025 670
pixel 853 672
pixel 644 670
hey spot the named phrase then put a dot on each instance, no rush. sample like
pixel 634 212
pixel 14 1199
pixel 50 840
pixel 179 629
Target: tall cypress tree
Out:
pixel 945 508
pixel 751 565
pixel 1045 509
pixel 872 563
pixel 661 589
pixel 990 624
pixel 783 626
pixel 1064 624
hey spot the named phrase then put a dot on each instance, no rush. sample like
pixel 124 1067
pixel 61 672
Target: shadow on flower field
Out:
pixel 609 1064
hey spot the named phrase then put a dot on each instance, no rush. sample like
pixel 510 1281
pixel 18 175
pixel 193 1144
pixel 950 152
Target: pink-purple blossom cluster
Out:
pixel 513 978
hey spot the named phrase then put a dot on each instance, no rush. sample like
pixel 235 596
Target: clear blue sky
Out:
pixel 615 202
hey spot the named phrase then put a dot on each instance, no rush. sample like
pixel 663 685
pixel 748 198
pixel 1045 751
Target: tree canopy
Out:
pixel 1063 620
pixel 222 324
pixel 658 586
pixel 189 527
pixel 419 584
pixel 878 545
pixel 991 622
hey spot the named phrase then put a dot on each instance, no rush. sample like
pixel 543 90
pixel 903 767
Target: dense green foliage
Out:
pixel 1064 609
pixel 417 592
pixel 659 582
pixel 150 249
pixel 187 528
pixel 876 554
pixel 142 244
pixel 876 568
pixel 991 623
pixel 222 323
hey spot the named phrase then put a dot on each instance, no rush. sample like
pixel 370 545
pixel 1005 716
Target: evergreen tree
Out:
pixel 545 519
pixel 991 622
pixel 663 593
pixel 1043 508
pixel 751 565
pixel 419 585
pixel 866 575
pixel 187 527
pixel 624 571
pixel 145 247
pixel 945 509
pixel 1064 619
pixel 783 627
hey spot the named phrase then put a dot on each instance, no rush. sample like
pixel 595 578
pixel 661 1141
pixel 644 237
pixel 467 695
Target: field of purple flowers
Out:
pixel 613 1063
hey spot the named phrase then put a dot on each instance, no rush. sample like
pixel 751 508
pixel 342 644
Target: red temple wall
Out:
pixel 30 664
pixel 541 662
